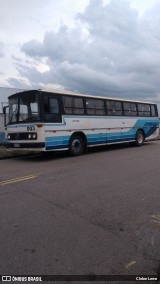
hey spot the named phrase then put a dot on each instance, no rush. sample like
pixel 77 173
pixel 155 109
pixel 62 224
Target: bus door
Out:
pixel 53 122
pixel 52 111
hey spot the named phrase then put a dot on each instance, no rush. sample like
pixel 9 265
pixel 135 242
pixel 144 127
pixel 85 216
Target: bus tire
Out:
pixel 76 145
pixel 139 138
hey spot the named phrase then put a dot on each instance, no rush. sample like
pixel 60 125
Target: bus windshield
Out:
pixel 24 108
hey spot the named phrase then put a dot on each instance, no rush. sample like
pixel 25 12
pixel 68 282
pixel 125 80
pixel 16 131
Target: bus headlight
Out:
pixel 32 136
pixel 8 136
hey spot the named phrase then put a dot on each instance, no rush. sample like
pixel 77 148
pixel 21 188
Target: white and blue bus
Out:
pixel 51 121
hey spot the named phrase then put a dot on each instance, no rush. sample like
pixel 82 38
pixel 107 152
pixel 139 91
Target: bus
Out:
pixel 49 121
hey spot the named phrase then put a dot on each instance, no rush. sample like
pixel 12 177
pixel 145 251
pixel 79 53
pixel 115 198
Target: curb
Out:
pixel 13 156
pixel 16 156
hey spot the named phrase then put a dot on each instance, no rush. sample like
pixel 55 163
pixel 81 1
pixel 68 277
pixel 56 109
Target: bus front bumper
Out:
pixel 29 146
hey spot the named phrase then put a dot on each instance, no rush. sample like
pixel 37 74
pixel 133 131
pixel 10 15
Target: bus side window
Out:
pixel 78 106
pixel 90 106
pixel 153 110
pixel 130 109
pixel 144 109
pixel 51 108
pixel 114 108
pixel 100 108
pixel 68 104
pixel 117 108
pixel 109 107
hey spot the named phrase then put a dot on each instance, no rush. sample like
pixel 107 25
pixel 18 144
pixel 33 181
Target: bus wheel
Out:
pixel 139 138
pixel 76 145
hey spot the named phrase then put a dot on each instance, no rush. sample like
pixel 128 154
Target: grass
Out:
pixel 4 153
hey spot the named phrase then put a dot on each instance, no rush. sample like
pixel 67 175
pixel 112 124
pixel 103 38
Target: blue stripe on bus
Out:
pixel 93 139
pixel 55 143
pixel 102 138
pixel 52 138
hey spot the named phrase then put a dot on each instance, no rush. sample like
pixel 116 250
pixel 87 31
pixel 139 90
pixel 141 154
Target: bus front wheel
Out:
pixel 76 145
pixel 139 138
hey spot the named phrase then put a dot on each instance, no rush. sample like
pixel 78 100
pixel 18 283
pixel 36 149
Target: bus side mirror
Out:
pixel 4 110
pixel 6 116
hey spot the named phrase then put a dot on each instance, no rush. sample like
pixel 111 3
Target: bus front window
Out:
pixel 24 108
pixel 29 108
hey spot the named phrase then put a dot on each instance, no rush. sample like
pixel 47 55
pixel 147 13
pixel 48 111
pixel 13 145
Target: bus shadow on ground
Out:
pixel 46 156
pixel 114 147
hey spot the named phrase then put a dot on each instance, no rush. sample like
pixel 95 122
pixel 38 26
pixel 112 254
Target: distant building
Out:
pixel 2 130
pixel 1 122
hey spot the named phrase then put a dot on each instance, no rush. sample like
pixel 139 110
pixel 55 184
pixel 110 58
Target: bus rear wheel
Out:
pixel 139 138
pixel 76 145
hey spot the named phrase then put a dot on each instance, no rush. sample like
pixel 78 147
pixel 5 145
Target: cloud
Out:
pixel 67 44
pixel 19 83
pixel 33 48
pixel 112 51
pixel 1 49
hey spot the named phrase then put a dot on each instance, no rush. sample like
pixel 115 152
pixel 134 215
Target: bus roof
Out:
pixel 81 95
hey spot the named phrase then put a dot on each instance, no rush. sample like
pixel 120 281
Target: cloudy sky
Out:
pixel 103 47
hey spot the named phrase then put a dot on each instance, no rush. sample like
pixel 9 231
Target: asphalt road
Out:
pixel 94 214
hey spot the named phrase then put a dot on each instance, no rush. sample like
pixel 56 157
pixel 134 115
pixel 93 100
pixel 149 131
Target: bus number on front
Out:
pixel 30 128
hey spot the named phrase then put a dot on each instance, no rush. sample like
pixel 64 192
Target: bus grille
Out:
pixel 19 136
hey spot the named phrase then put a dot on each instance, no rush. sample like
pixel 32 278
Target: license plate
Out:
pixel 16 145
